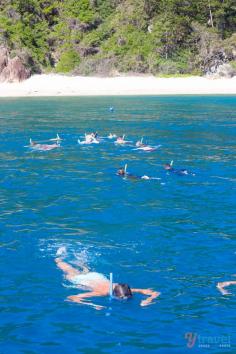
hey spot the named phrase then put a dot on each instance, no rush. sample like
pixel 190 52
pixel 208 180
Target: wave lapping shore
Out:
pixel 60 85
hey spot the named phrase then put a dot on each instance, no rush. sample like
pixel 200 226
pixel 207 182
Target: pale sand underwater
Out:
pixel 61 85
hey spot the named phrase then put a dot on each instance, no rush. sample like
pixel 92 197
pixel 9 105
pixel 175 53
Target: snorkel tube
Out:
pixel 125 169
pixel 111 286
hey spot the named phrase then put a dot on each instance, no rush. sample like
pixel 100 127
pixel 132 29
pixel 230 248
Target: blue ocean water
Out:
pixel 175 234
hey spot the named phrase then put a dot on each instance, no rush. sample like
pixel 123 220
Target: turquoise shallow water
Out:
pixel 176 235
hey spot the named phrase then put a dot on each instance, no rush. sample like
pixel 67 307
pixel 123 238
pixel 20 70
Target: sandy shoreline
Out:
pixel 59 85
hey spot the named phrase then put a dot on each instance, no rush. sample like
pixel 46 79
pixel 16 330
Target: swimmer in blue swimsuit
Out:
pixel 96 285
pixel 180 172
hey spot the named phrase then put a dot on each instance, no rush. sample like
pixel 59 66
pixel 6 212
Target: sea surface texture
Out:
pixel 174 234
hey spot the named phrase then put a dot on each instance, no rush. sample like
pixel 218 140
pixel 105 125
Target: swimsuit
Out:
pixel 88 280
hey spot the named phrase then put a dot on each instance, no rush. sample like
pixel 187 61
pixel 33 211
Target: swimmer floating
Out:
pixel 45 147
pixel 91 138
pixel 97 285
pixel 122 172
pixel 180 172
pixel 121 140
pixel 144 147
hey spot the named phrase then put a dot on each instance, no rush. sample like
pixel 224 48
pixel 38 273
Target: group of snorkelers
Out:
pixel 122 172
pixel 93 138
pixel 96 284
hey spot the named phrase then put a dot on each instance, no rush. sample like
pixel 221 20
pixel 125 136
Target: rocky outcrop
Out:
pixel 214 59
pixel 214 54
pixel 224 70
pixel 12 69
pixel 3 58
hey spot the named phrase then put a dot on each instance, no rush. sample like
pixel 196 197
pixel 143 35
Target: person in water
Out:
pixel 120 140
pixel 97 285
pixel 181 172
pixel 36 146
pixel 122 172
pixel 91 138
pixel 140 143
pixel 222 285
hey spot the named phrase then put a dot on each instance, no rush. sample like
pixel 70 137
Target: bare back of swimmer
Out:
pixel 97 285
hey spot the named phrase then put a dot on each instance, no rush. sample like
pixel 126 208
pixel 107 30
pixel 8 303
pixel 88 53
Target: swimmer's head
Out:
pixel 122 291
pixel 121 171
pixel 167 166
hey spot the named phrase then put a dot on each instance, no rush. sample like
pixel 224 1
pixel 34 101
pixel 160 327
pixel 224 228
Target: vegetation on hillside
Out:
pixel 108 36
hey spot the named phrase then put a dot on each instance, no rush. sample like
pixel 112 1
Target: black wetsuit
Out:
pixel 180 172
pixel 130 176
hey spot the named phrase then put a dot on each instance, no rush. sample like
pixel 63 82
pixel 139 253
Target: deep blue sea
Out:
pixel 175 234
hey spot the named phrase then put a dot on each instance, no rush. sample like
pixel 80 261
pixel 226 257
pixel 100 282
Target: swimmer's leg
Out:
pixel 223 285
pixel 69 271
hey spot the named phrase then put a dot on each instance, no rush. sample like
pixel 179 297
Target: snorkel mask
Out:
pixel 123 290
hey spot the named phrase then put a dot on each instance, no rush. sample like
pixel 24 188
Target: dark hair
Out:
pixel 122 291
pixel 121 171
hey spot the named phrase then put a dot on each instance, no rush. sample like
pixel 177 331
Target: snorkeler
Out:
pixel 122 172
pixel 223 285
pixel 112 136
pixel 91 138
pixel 121 140
pixel 97 285
pixel 144 147
pixel 180 172
pixel 44 147
pixel 140 143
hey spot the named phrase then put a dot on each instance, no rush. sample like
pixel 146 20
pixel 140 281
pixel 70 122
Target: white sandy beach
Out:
pixel 59 85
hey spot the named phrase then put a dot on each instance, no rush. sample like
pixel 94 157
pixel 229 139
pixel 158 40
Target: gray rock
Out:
pixel 222 71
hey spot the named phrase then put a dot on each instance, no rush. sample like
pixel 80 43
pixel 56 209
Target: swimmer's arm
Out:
pixel 80 299
pixel 149 292
pixel 223 285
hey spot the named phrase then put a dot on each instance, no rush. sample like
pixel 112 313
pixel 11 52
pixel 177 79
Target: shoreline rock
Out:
pixel 12 69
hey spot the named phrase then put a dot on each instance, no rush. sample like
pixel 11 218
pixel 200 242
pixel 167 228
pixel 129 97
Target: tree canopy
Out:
pixel 101 36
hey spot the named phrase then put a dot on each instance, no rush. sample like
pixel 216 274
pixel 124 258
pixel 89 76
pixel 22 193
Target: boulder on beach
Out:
pixel 12 69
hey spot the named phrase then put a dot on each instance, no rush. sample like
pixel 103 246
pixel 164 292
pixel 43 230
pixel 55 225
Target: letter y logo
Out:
pixel 191 339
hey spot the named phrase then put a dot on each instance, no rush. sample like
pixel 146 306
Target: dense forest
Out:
pixel 105 37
